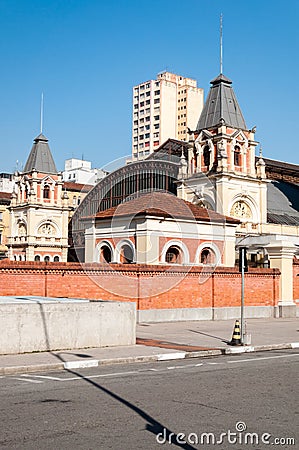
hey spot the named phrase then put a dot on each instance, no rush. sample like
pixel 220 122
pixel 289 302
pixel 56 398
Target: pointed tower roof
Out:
pixel 40 157
pixel 221 105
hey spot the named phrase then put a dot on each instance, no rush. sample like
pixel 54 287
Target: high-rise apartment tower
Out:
pixel 162 109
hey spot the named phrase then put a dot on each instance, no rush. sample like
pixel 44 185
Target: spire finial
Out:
pixel 261 151
pixel 41 112
pixel 221 47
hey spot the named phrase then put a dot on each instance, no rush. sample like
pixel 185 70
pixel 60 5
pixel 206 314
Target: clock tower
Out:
pixel 222 163
pixel 39 209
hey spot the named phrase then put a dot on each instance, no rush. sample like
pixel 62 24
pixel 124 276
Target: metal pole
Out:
pixel 242 292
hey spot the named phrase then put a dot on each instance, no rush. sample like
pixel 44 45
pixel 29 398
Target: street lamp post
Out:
pixel 243 267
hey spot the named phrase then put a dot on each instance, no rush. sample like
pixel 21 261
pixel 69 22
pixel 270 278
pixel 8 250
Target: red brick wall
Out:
pixel 152 287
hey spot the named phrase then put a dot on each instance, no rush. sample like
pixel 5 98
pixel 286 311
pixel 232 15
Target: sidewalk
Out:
pixel 162 342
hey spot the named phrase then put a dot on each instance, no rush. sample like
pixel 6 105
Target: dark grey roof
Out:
pixel 283 203
pixel 221 104
pixel 40 157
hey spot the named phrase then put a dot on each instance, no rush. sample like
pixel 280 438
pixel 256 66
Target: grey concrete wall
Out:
pixel 182 314
pixel 57 326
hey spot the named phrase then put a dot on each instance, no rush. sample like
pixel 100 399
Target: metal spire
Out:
pixel 221 49
pixel 41 113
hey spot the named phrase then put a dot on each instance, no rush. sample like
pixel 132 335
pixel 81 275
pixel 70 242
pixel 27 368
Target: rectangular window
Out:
pixel 156 135
pixel 141 145
pixel 157 92
pixel 142 95
pixel 156 126
pixel 148 94
pixel 147 111
pixel 136 115
pixel 141 120
pixel 135 122
pixel 141 87
pixel 146 144
pixel 135 147
pixel 142 112
pixel 141 128
pixel 157 100
pixel 135 106
pixel 147 152
pixel 147 127
pixel 141 104
pixel 136 139
pixel 148 102
pixel 147 135
pixel 147 85
pixel 156 117
pixel 147 119
pixel 156 143
pixel 141 136
pixel 135 130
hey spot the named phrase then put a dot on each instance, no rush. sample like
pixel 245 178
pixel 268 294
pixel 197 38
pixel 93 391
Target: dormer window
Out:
pixel 207 156
pixel 237 155
pixel 46 193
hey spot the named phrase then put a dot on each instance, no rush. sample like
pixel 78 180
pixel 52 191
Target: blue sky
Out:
pixel 85 55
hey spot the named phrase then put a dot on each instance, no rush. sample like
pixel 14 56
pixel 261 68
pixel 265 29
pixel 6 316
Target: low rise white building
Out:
pixel 80 171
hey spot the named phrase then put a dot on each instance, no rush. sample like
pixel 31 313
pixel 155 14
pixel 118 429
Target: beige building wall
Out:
pixel 4 229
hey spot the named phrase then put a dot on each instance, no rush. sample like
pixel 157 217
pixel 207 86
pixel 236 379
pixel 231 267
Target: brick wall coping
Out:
pixel 133 268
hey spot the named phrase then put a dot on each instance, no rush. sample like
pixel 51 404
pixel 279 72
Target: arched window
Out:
pixel 47 258
pixel 56 259
pixel 37 258
pixel 173 255
pixel 207 156
pixel 126 254
pixel 46 192
pixel 105 254
pixel 207 256
pixel 237 155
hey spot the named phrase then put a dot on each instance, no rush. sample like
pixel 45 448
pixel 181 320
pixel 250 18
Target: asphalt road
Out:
pixel 126 406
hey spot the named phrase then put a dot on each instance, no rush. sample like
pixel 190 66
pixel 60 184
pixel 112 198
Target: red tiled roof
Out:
pixel 5 195
pixel 163 204
pixel 71 186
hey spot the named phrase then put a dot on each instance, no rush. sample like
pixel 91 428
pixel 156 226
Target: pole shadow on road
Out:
pixel 210 335
pixel 152 425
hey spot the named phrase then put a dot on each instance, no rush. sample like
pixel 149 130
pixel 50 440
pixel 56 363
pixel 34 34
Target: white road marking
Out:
pixel 213 363
pixel 295 344
pixel 29 381
pixel 197 365
pixel 43 377
pixel 262 358
pixel 102 375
